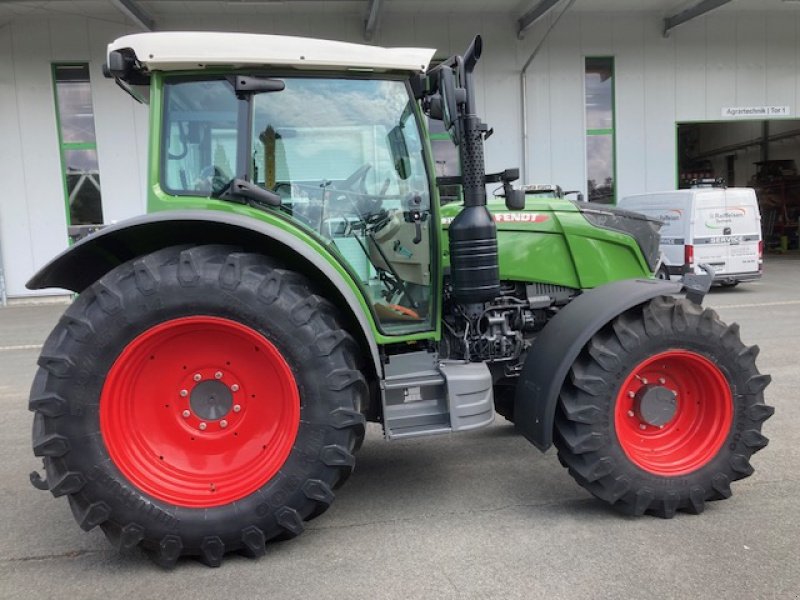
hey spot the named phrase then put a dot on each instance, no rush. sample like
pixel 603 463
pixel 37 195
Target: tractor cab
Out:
pixel 330 143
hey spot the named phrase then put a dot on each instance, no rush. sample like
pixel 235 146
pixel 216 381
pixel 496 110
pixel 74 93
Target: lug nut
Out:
pixel 184 393
pixel 236 408
pixel 202 426
pixel 630 413
pixel 186 414
pixel 197 377
pixel 644 381
pixel 218 375
pixel 223 423
pixel 631 395
pixel 662 381
pixel 235 387
pixel 642 426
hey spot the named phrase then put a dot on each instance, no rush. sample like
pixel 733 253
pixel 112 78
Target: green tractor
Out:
pixel 296 277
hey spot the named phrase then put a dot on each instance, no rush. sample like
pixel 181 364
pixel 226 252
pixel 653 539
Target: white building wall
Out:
pixel 33 221
pixel 723 59
pixel 33 217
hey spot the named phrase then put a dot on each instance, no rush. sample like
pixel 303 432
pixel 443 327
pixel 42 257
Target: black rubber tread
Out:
pixel 172 283
pixel 584 428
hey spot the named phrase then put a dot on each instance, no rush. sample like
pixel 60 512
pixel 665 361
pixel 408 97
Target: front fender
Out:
pixel 87 261
pixel 555 349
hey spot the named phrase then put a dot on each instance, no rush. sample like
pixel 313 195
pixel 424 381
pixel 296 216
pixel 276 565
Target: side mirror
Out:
pixel 447 89
pixel 434 107
pixel 578 195
pixel 399 150
pixel 515 199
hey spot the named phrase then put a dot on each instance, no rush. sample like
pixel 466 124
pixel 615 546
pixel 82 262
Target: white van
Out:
pixel 713 225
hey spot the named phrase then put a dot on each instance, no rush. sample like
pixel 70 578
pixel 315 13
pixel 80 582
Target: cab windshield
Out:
pixel 345 156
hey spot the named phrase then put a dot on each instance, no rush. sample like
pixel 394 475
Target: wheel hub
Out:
pixel 211 400
pixel 656 405
pixel 199 411
pixel 673 412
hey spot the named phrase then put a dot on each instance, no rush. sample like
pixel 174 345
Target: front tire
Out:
pixel 662 410
pixel 196 402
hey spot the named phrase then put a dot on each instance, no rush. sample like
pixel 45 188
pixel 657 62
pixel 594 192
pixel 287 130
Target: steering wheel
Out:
pixel 356 182
pixel 355 187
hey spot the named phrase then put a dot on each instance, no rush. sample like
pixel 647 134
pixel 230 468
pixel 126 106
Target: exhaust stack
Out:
pixel 473 235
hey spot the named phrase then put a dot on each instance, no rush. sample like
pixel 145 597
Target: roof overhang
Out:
pixel 170 51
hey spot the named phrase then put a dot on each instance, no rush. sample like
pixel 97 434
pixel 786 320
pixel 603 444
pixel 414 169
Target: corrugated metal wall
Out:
pixel 724 59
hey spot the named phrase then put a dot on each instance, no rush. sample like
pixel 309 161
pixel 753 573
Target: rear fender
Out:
pixel 87 261
pixel 558 345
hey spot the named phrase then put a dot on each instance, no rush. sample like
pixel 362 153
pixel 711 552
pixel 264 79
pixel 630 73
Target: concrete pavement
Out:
pixel 478 515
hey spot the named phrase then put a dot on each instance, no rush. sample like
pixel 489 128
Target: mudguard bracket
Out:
pixel 697 286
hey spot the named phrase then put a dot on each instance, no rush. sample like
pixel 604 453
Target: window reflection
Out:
pixel 83 187
pixel 346 156
pixel 74 95
pixel 199 152
pixel 599 93
pixel 600 168
pixel 78 149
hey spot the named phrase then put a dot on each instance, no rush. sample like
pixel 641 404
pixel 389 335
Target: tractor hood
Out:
pixel 572 244
pixel 643 229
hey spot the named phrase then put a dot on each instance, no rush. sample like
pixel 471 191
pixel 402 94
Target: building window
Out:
pixel 600 145
pixel 78 145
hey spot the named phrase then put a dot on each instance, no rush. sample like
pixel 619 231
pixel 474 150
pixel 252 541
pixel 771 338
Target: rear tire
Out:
pixel 662 410
pixel 144 391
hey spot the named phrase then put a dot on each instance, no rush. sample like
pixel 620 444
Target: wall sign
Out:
pixel 755 111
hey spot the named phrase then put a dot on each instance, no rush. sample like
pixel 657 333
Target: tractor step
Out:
pixel 425 396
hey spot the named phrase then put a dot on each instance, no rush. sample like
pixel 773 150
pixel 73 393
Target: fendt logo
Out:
pixel 515 217
pixel 520 217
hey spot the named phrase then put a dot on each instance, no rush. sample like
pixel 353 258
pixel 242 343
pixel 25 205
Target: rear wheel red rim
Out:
pixel 699 425
pixel 199 411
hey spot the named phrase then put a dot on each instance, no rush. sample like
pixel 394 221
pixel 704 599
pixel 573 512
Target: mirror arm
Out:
pixel 242 189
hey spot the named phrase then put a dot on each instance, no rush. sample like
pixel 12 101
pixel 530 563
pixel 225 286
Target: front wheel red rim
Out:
pixel 199 411
pixel 673 413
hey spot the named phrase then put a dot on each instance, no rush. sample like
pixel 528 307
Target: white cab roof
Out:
pixel 170 51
